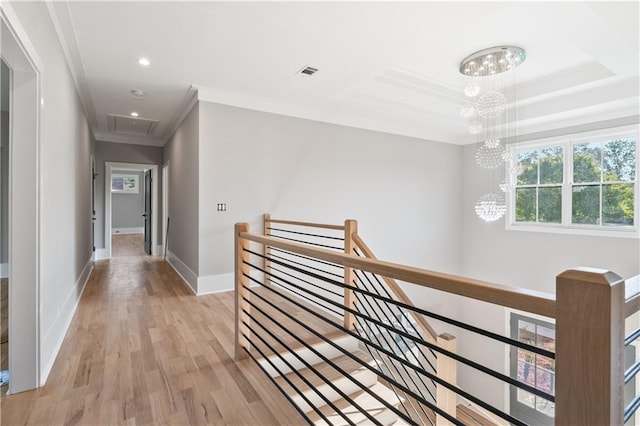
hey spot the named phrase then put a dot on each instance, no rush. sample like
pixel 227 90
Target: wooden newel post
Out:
pixel 446 399
pixel 266 250
pixel 350 228
pixel 241 292
pixel 589 348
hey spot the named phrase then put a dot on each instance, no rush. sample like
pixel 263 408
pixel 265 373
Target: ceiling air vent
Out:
pixel 307 71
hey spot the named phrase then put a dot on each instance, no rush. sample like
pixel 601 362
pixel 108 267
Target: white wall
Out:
pixel 182 154
pixel 65 192
pixel 403 191
pixel 523 259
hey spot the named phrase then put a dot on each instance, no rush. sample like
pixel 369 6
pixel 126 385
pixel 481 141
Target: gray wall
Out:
pixel 65 183
pixel 4 188
pixel 124 153
pixel 523 259
pixel 404 192
pixel 182 154
pixel 127 209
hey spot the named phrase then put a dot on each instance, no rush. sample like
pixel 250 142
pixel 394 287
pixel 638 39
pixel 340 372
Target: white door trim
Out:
pixel 165 204
pixel 26 103
pixel 109 167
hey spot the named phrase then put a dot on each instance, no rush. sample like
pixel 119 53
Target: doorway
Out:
pixel 23 207
pixel 5 85
pixel 136 189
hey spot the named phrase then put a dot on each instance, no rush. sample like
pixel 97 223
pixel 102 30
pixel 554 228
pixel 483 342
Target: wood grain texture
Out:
pixel 4 329
pixel 428 332
pixel 447 370
pixel 242 295
pixel 589 348
pixel 350 229
pixel 513 297
pixel 307 224
pixel 141 350
pixel 127 245
pixel 632 296
pixel 266 251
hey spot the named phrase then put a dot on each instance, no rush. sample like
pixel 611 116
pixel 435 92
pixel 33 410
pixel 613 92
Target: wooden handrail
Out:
pixel 632 296
pixel 427 329
pixel 309 224
pixel 513 297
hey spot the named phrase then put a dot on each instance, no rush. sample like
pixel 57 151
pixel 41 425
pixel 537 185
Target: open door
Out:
pixel 93 205
pixel 147 211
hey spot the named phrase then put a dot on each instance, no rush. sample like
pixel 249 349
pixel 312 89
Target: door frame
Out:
pixel 26 103
pixel 109 167
pixel 165 204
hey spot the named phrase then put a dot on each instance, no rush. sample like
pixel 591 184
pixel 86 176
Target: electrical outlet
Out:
pixel 222 207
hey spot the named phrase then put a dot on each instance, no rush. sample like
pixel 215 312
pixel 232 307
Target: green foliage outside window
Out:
pixel 603 188
pixel 539 195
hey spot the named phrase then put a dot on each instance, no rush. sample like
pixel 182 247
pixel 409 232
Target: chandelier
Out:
pixel 489 108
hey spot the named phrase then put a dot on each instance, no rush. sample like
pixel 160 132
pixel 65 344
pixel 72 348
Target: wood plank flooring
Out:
pixel 143 350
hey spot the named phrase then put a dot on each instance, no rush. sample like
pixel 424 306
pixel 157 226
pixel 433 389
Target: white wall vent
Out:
pixel 128 125
pixel 307 71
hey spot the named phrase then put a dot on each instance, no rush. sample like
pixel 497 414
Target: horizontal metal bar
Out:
pixel 631 372
pixel 306 266
pixel 283 285
pixel 304 233
pixel 335 265
pixel 307 242
pixel 304 281
pixel 284 376
pixel 350 355
pixel 277 385
pixel 418 340
pixel 512 297
pixel 632 337
pixel 390 354
pixel 334 366
pixel 468 327
pixel 631 409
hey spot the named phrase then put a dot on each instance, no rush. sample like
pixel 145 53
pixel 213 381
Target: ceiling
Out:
pixel 386 66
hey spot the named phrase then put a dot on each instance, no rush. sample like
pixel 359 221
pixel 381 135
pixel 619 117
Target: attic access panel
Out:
pixel 131 125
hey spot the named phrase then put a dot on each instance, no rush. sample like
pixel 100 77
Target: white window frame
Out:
pixel 566 227
pixel 134 190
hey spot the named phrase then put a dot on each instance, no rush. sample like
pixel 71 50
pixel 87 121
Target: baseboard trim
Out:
pixel 4 270
pixel 139 230
pixel 216 283
pixel 101 254
pixel 189 278
pixel 65 316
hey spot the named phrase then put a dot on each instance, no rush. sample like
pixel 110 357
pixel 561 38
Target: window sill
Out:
pixel 575 230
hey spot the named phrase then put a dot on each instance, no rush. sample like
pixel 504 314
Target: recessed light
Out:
pixel 134 114
pixel 144 62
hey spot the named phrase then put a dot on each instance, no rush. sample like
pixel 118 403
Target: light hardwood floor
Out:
pixel 143 350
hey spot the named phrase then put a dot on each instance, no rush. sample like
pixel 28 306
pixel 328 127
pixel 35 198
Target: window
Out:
pixel 539 185
pixel 583 185
pixel 533 369
pixel 127 184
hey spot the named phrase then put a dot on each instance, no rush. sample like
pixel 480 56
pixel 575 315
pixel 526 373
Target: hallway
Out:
pixel 142 349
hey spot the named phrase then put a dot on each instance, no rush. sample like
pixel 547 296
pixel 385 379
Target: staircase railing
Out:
pixel 632 357
pixel 296 288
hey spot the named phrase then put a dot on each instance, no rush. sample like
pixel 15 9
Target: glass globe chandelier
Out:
pixel 489 107
pixel 490 207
